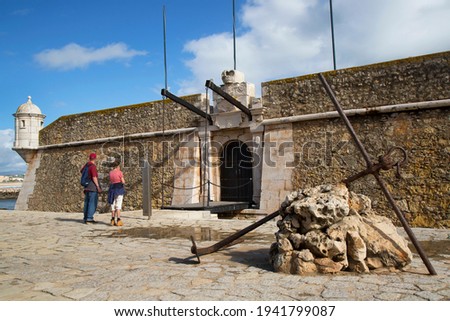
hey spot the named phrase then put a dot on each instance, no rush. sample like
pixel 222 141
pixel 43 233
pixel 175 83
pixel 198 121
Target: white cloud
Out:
pixel 292 37
pixel 74 56
pixel 10 162
pixel 385 29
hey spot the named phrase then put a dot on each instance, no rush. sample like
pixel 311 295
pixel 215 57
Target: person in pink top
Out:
pixel 116 193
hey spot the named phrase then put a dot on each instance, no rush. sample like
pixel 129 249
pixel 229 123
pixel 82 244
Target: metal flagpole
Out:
pixel 147 188
pixel 203 157
pixel 332 34
pixel 206 153
pixel 163 111
pixel 234 35
pixel 165 48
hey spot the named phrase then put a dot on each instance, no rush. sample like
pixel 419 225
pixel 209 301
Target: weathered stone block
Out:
pixel 342 238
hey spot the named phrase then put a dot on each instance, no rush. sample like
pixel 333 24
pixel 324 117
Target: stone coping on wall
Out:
pixel 121 108
pixel 355 70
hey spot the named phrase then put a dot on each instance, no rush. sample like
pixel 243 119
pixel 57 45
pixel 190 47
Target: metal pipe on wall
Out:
pixel 362 111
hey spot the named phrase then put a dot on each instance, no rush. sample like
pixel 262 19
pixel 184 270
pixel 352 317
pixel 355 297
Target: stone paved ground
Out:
pixel 53 256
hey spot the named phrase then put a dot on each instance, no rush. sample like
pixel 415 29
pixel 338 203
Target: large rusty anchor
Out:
pixel 230 240
pixel 374 169
pixel 385 162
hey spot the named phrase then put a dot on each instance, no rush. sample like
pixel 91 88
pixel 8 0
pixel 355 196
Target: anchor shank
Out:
pixel 405 224
pixel 345 119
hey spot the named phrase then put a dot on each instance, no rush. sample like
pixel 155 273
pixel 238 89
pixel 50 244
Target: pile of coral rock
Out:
pixel 327 229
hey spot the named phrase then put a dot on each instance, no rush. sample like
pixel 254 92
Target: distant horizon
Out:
pixel 11 173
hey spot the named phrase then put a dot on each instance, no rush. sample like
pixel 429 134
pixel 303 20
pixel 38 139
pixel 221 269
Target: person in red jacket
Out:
pixel 91 190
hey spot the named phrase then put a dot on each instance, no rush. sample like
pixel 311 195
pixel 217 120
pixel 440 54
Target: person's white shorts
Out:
pixel 117 205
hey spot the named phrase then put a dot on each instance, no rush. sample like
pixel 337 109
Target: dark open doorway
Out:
pixel 236 173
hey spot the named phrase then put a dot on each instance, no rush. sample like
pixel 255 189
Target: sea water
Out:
pixel 7 204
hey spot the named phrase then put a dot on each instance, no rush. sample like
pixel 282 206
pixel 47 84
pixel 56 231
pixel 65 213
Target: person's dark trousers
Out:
pixel 90 205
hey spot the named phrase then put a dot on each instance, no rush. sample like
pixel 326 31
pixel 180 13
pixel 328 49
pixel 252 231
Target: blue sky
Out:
pixel 75 56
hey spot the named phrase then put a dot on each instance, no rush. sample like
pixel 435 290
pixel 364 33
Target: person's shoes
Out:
pixel 119 222
pixel 90 222
pixel 113 222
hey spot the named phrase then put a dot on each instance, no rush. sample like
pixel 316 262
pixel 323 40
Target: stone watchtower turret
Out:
pixel 29 121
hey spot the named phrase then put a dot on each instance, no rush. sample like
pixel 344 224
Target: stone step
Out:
pixel 180 214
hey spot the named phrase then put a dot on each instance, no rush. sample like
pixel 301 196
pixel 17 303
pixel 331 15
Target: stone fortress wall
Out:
pixel 116 133
pixel 121 121
pixel 299 150
pixel 323 151
pixel 423 78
